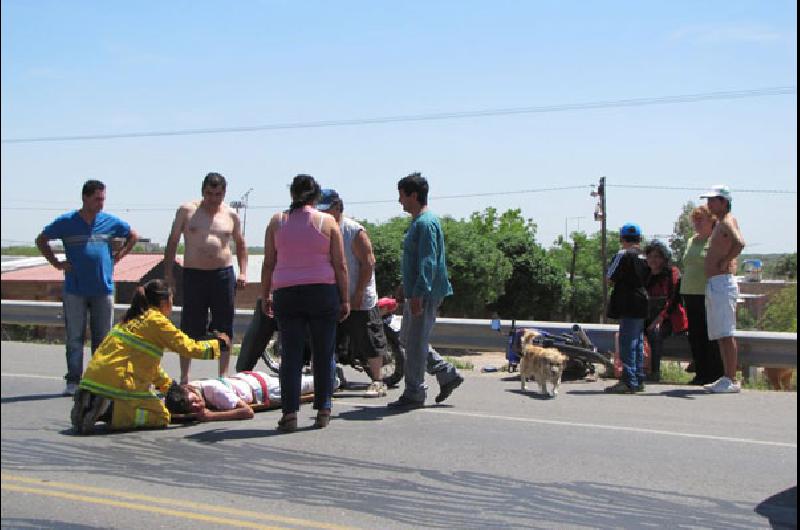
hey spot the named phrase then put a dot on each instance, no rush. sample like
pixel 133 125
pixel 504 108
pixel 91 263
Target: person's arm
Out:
pixel 242 411
pixel 130 241
pixel 169 337
pixel 362 249
pixel 241 252
pixel 268 265
pixel 339 262
pixel 737 242
pixel 172 244
pixel 42 243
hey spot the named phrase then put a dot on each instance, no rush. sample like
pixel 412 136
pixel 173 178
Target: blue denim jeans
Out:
pixel 301 309
pixel 631 350
pixel 101 315
pixel 415 335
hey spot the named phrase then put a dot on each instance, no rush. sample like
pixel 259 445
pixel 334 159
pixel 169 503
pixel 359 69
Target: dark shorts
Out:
pixel 205 290
pixel 362 335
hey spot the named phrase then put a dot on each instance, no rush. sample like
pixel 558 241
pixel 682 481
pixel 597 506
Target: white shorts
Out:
pixel 721 295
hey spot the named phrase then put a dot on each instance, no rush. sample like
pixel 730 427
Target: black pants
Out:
pixel 705 353
pixel 255 340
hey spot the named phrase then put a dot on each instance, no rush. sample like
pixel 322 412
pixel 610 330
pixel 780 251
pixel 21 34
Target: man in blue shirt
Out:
pixel 425 285
pixel 88 271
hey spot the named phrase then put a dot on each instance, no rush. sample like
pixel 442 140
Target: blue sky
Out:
pixel 93 67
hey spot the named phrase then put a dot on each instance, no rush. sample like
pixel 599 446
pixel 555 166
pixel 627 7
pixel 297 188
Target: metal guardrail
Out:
pixel 756 348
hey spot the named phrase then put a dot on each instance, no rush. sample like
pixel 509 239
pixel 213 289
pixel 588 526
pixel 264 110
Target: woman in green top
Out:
pixel 705 353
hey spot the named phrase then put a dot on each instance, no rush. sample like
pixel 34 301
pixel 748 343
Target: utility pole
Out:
pixel 600 215
pixel 242 204
pixel 573 309
pixel 604 246
pixel 246 200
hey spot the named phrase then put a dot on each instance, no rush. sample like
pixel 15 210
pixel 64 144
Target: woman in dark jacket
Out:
pixel 665 315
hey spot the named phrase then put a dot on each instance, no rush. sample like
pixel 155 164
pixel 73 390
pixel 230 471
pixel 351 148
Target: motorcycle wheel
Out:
pixel 392 371
pixel 272 356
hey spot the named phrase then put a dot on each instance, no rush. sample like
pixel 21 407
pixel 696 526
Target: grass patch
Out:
pixel 673 373
pixel 459 364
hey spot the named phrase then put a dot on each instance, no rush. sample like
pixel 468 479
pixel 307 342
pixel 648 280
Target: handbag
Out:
pixel 678 320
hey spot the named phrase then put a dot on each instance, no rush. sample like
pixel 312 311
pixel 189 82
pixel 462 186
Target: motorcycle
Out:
pixel 582 354
pixel 260 342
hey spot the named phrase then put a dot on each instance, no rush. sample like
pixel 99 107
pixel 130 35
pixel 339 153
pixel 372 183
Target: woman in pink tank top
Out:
pixel 304 282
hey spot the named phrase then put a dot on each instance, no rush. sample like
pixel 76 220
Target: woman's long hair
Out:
pixel 146 296
pixel 305 192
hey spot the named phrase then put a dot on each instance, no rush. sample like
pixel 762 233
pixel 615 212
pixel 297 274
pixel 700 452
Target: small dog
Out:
pixel 542 364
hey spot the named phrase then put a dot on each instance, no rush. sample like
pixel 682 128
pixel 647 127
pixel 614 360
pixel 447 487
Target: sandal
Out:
pixel 287 423
pixel 323 419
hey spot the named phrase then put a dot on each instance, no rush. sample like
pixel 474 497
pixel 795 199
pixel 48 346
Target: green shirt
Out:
pixel 694 275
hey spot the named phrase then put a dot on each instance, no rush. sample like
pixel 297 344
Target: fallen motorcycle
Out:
pixel 260 342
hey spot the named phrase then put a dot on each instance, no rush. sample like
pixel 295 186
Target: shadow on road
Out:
pixel 780 509
pixel 532 394
pixel 34 397
pixel 413 496
pixel 18 522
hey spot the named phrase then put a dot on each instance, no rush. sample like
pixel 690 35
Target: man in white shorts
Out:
pixel 725 244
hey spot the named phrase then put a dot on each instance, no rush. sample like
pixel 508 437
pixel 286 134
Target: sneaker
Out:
pixel 641 388
pixel 621 387
pixel 70 389
pixel 376 389
pixel 724 385
pixel 404 403
pixel 99 405
pixel 446 389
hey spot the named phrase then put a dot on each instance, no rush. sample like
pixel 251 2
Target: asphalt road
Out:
pixel 489 457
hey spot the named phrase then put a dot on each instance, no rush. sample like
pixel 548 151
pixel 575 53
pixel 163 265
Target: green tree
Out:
pixel 781 312
pixel 587 291
pixel 536 286
pixel 387 244
pixel 682 230
pixel 478 270
pixel 786 267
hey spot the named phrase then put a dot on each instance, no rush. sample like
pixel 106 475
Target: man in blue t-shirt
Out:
pixel 425 285
pixel 88 271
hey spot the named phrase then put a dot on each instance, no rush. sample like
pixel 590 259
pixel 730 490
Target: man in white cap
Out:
pixel 362 331
pixel 725 244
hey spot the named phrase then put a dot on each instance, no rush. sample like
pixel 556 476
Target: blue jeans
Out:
pixel 415 335
pixel 301 309
pixel 101 316
pixel 631 350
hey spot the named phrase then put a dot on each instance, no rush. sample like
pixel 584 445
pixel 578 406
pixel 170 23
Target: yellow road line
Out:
pixel 52 485
pixel 139 507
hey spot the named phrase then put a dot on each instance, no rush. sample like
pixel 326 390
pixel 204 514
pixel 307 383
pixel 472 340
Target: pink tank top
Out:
pixel 304 252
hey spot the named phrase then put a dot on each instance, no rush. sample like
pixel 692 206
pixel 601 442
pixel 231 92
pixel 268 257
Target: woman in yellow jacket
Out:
pixel 117 385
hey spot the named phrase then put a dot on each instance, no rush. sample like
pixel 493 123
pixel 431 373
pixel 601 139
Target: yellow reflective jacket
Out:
pixel 128 360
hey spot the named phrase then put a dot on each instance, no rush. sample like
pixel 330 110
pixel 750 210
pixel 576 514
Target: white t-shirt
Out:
pixel 225 393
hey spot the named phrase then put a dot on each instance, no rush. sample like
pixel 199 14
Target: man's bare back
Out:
pixel 725 244
pixel 206 236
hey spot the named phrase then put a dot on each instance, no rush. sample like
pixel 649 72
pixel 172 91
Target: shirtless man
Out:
pixel 725 244
pixel 209 281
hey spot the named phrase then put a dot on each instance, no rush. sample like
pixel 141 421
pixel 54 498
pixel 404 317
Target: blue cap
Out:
pixel 328 199
pixel 630 229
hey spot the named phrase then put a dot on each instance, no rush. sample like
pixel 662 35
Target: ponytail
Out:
pixel 146 296
pixel 305 192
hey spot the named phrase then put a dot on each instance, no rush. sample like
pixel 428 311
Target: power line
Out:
pixel 679 188
pixel 633 102
pixel 120 208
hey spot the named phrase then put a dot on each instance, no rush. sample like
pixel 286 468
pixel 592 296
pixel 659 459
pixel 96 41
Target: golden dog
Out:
pixel 542 364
